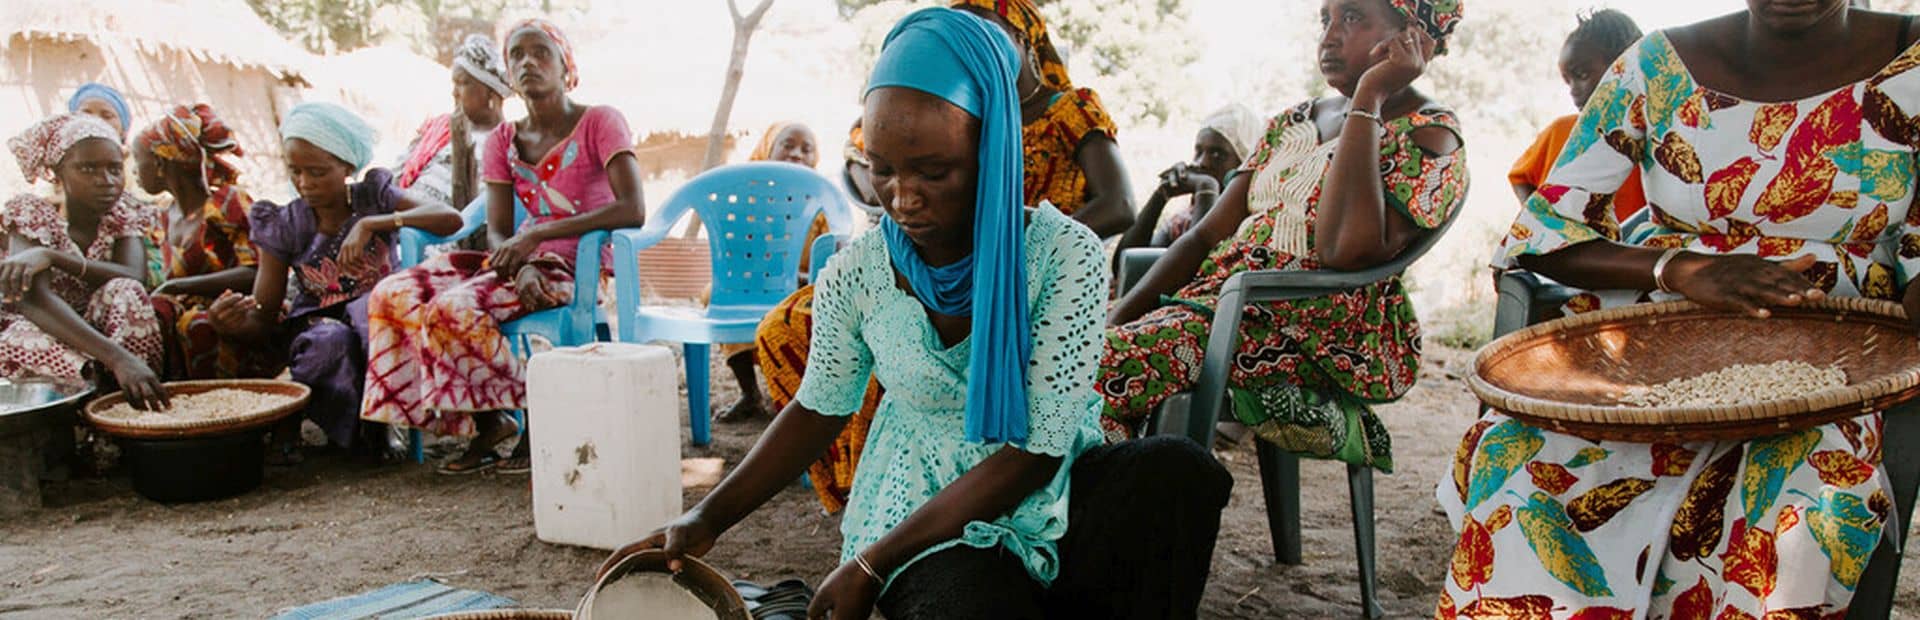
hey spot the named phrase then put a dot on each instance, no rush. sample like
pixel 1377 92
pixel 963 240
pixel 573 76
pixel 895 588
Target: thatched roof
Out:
pixel 222 31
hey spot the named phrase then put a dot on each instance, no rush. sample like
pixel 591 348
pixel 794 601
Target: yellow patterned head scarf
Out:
pixel 1026 18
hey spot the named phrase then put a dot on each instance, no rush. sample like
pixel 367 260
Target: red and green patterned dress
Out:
pixel 1307 370
pixel 219 242
pixel 1556 526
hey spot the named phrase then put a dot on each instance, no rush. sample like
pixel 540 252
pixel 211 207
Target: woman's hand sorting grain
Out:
pixel 1741 282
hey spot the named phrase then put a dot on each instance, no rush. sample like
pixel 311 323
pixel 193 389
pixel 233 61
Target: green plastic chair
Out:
pixel 1194 414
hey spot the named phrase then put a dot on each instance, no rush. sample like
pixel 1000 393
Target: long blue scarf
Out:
pixel 972 64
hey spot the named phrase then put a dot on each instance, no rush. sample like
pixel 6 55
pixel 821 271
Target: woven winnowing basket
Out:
pixel 201 428
pixel 1568 375
pixel 508 614
pixel 706 584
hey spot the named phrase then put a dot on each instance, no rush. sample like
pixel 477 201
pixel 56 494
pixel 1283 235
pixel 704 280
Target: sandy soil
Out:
pixel 331 528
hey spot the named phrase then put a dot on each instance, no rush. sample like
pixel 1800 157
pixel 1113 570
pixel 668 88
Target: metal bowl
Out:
pixel 30 403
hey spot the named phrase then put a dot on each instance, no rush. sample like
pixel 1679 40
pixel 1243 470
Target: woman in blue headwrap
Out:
pixel 332 244
pixel 103 102
pixel 982 319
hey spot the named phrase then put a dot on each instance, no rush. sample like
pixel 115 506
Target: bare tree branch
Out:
pixel 743 27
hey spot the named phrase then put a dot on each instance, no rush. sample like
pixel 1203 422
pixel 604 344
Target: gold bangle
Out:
pixel 1367 115
pixel 83 268
pixel 1660 269
pixel 399 220
pixel 861 560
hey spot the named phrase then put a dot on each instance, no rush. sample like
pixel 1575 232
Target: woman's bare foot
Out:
pixel 748 408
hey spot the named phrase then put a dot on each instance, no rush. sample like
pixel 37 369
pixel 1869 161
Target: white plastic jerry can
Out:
pixel 605 424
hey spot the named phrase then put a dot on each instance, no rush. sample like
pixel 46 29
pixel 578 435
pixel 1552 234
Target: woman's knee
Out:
pixel 1180 465
pixel 124 287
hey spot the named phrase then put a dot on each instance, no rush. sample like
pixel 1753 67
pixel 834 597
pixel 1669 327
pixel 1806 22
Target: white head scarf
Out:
pixel 1239 126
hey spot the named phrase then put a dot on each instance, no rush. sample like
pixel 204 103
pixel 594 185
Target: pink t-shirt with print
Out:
pixel 569 180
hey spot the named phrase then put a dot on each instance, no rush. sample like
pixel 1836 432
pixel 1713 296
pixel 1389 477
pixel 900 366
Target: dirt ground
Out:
pixel 330 528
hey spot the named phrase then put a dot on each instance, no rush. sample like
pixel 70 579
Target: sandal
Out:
pixel 740 412
pixel 518 464
pixel 454 468
pixel 786 600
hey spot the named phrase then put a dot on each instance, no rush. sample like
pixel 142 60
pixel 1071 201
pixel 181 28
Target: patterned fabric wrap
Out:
pixel 1437 17
pixel 1239 126
pixel 91 91
pixel 478 58
pixel 1053 173
pixel 428 140
pixel 1026 18
pixel 117 309
pixel 333 129
pixel 196 136
pixel 42 145
pixel 1772 527
pixel 782 343
pixel 1306 370
pixel 436 354
pixel 559 40
pixel 221 242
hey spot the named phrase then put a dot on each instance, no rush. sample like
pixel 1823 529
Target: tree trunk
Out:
pixel 743 27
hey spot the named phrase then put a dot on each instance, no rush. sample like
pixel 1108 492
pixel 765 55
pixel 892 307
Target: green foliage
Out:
pixel 1132 51
pixel 430 27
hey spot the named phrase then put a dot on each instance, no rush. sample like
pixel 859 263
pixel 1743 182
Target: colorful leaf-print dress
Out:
pixel 1556 526
pixel 1305 370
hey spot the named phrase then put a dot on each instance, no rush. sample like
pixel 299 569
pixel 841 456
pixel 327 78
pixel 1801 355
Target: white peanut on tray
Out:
pixel 209 405
pixel 1739 384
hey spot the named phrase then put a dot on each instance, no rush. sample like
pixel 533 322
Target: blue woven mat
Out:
pixel 412 599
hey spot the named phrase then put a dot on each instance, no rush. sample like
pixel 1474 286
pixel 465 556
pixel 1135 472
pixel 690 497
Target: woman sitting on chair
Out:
pixel 981 315
pixel 1339 183
pixel 1776 149
pixel 437 360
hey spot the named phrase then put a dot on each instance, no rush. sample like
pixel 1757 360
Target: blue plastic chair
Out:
pixel 756 215
pixel 575 324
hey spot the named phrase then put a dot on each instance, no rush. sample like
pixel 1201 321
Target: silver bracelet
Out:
pixel 1660 269
pixel 1367 115
pixel 861 560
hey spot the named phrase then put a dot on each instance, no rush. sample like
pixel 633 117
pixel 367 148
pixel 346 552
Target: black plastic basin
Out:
pixel 197 469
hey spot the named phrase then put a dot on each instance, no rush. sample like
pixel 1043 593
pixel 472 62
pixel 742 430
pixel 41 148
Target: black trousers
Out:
pixel 1142 518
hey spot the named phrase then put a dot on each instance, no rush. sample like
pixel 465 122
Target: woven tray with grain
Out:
pixel 1569 375
pixel 183 429
pixel 508 614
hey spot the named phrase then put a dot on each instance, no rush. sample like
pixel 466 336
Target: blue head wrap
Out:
pixel 333 129
pixel 972 64
pixel 103 92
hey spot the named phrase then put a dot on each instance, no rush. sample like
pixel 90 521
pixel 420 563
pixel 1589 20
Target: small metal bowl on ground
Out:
pixel 199 460
pixel 695 577
pixel 36 420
